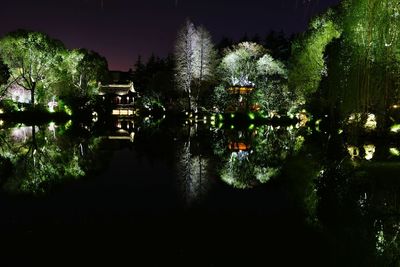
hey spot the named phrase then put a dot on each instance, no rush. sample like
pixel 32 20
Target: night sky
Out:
pixel 121 30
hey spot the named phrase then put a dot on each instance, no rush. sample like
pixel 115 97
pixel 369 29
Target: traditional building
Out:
pixel 120 96
pixel 239 95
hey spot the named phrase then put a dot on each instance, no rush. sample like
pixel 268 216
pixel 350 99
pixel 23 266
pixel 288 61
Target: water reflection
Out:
pixel 192 161
pixel 347 189
pixel 358 201
pixel 253 156
pixel 35 157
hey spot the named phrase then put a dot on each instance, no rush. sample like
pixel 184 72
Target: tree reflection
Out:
pixel 353 194
pixel 192 165
pixel 253 156
pixel 41 156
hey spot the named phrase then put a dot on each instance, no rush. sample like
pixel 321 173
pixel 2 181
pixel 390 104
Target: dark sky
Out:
pixel 121 30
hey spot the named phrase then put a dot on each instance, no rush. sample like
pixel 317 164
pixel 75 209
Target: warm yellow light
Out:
pixel 353 151
pixel 369 151
pixel 371 122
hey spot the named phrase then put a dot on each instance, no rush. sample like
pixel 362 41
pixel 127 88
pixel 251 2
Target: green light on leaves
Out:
pixel 395 128
pixel 68 110
pixel 394 152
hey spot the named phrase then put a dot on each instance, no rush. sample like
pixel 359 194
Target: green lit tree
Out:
pixel 249 65
pixel 32 59
pixel 239 64
pixel 80 73
pixel 308 64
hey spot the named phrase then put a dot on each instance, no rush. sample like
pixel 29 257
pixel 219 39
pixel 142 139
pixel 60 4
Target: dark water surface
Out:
pixel 165 194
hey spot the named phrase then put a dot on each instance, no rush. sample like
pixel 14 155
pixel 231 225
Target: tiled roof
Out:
pixel 117 89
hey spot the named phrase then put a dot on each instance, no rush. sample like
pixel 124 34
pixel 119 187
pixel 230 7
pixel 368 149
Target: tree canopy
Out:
pixel 32 58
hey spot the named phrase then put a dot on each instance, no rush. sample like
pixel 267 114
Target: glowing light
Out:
pixel 394 152
pixel 68 110
pixel 395 128
pixel 95 116
pixel 369 151
pixel 371 122
pixel 252 116
pixel 52 105
pixel 303 119
pixel 353 118
pixel 353 151
pixel 1 111
pixel 68 124
pixel 232 116
pixel 122 112
pixel 317 123
pixel 52 126
pixel 1 122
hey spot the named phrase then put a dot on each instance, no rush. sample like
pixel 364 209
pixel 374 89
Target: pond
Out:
pixel 206 194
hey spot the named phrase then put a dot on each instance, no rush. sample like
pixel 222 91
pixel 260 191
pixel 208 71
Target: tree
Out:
pixel 31 58
pixel 195 57
pixel 239 64
pixel 308 59
pixel 83 71
pixel 4 76
pixel 205 56
pixel 4 73
pixel 185 59
pixel 249 65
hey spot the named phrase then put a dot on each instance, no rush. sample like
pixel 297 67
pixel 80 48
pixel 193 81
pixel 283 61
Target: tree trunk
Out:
pixel 33 94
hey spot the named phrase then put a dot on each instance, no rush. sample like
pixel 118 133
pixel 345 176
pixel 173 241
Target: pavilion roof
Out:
pixel 117 89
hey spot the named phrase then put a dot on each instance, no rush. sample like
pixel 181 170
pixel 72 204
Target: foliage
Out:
pixel 154 80
pixel 80 74
pixel 308 58
pixel 32 58
pixel 248 64
pixel 41 157
pixel 239 64
pixel 195 61
pixel 42 70
pixel 269 148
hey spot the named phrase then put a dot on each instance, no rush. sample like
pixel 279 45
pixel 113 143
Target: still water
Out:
pixel 203 195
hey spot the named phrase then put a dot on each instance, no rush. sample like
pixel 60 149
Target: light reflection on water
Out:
pixel 335 184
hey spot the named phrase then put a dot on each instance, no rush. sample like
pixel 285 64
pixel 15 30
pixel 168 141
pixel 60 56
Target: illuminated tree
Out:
pixel 195 61
pixel 31 58
pixel 308 58
pixel 80 73
pixel 261 160
pixel 239 64
pixel 42 156
pixel 205 56
pixel 185 60
pixel 192 167
pixel 249 65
